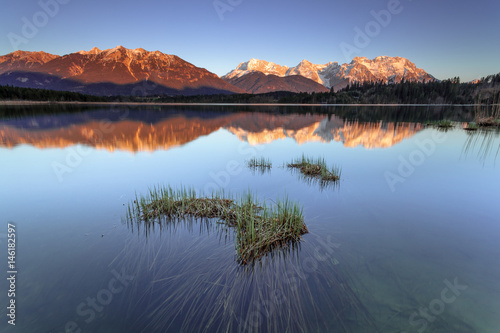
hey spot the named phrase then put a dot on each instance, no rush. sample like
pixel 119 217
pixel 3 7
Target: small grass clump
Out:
pixel 259 229
pixel 318 169
pixel 441 125
pixel 444 124
pixel 262 164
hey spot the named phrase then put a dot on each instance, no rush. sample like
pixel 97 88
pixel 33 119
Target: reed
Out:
pixel 488 115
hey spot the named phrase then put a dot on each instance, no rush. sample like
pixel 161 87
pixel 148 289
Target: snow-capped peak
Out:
pixel 94 50
pixel 256 65
pixel 360 69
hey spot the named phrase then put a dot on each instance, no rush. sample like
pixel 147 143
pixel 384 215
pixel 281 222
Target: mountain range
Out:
pixel 333 75
pixel 122 71
pixel 117 71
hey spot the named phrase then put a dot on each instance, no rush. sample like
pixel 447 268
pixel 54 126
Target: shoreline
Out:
pixel 10 103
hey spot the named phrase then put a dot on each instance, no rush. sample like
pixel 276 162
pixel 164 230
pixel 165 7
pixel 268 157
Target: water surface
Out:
pixel 415 211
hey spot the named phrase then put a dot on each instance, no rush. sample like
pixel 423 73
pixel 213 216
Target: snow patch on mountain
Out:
pixel 361 69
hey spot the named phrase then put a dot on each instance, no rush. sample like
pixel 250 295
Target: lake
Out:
pixel 406 241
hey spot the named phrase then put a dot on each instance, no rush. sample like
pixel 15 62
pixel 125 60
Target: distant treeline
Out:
pixel 31 94
pixel 452 91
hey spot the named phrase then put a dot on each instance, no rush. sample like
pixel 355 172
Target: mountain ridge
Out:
pixel 332 75
pixel 120 69
pixel 260 83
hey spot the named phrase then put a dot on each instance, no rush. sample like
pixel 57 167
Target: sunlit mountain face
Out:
pixel 117 71
pixel 163 131
pixel 331 75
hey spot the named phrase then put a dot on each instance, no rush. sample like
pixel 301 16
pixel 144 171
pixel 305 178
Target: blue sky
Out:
pixel 446 38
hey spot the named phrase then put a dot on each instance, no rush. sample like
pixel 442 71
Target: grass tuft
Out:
pixel 261 164
pixel 259 229
pixel 316 168
pixel 444 123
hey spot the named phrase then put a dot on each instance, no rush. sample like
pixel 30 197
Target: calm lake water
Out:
pixel 407 241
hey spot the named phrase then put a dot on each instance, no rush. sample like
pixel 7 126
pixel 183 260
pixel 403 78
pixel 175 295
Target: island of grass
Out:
pixel 488 122
pixel 259 229
pixel 443 124
pixel 316 168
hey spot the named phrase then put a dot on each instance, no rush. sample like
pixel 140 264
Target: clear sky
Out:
pixel 446 38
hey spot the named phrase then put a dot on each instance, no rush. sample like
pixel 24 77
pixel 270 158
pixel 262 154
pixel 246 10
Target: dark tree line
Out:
pixel 31 94
pixel 450 91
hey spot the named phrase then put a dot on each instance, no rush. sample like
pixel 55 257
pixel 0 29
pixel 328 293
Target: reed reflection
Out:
pixel 482 144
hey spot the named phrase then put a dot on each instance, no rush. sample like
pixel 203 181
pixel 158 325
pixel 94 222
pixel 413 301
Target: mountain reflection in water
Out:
pixel 134 134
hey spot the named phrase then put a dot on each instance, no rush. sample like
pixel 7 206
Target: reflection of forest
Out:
pixel 136 134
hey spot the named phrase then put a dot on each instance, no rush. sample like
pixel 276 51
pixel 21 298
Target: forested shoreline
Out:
pixel 452 91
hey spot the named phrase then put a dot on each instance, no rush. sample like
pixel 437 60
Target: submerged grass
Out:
pixel 259 229
pixel 261 162
pixel 177 288
pixel 316 168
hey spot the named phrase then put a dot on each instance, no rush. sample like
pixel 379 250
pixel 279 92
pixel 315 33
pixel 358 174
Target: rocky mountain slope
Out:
pixel 122 71
pixel 117 71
